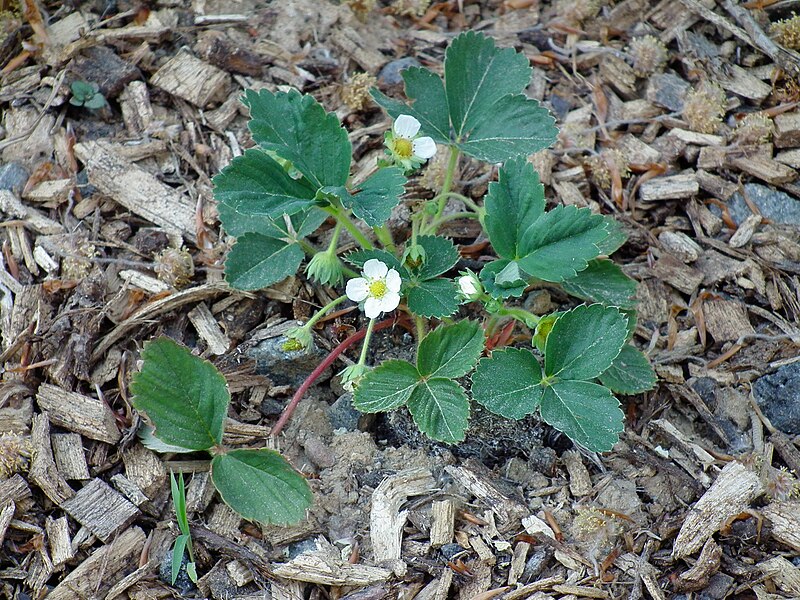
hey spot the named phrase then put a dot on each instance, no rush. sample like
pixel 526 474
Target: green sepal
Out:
pixel 508 383
pixel 630 373
pixel 586 412
pixel 185 397
pixel 450 350
pixel 261 485
pixel 297 128
pixel 257 261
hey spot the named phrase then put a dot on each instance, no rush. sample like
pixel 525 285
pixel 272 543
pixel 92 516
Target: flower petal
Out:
pixel 393 281
pixel 406 126
pixel 389 301
pixel 357 289
pixel 424 147
pixel 374 269
pixel 372 307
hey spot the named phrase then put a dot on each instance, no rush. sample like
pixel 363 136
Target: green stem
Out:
pixel 520 314
pixel 363 358
pixel 323 311
pixel 335 238
pixel 448 182
pixel 468 201
pixel 341 217
pixel 434 225
pixel 385 238
pixel 420 323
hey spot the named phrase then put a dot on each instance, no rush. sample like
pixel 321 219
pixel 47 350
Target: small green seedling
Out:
pixel 186 399
pixel 184 541
pixel 87 94
pixel 278 193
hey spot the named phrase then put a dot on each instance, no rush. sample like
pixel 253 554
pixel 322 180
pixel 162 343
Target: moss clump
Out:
pixel 787 32
pixel 355 93
pixel 704 108
pixel 648 55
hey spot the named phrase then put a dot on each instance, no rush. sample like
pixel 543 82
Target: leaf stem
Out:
pixel 434 225
pixel 344 219
pixel 520 314
pixel 420 323
pixel 322 311
pixel 385 238
pixel 321 367
pixel 448 182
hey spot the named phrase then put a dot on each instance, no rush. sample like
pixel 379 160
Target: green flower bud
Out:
pixel 325 268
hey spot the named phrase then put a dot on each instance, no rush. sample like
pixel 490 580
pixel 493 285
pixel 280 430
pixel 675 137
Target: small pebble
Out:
pixel 391 73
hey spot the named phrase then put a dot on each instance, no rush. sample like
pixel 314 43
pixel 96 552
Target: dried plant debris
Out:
pixel 787 32
pixel 704 107
pixel 648 55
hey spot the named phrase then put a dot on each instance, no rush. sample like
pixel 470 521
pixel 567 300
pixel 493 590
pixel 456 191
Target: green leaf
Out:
pixel 477 76
pixel 298 129
pixel 514 203
pixel 440 256
pixel 516 125
pixel 146 434
pixel 386 387
pixel 584 342
pixel 261 485
pixel 254 185
pixel 300 224
pixel 440 409
pixel 615 236
pixel 433 298
pixel 177 555
pixel 179 500
pixel 377 196
pixel 630 373
pixel 508 383
pixel 586 412
pixel 450 350
pixel 561 243
pixel 602 281
pixel 184 396
pixel 429 107
pixel 509 285
pixel 95 102
pixel 257 261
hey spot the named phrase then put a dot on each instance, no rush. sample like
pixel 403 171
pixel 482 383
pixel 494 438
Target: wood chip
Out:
pixel 145 469
pixel 707 564
pixel 137 113
pixel 678 275
pixel 326 567
pixel 726 320
pixel 787 130
pixel 680 245
pixel 136 189
pixel 95 576
pixel 784 574
pixel 763 168
pixel 43 471
pixel 507 510
pixel 60 541
pixel 580 483
pixel 636 151
pixel 581 591
pixel 51 193
pixel 695 138
pixel 386 519
pixel 208 328
pixel 638 567
pixel 518 559
pixel 15 209
pixel 785 520
pixel 102 510
pixel 69 456
pixel 443 517
pixel 673 187
pixel 82 414
pixel 7 509
pixel 192 79
pixel 731 493
pixel 715 185
pixel 145 282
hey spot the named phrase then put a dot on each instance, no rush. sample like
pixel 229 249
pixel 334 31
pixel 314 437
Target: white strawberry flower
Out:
pixel 405 145
pixel 379 288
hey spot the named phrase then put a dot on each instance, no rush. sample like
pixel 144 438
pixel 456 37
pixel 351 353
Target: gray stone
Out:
pixel 284 367
pixel 183 584
pixel 390 74
pixel 778 207
pixel 778 396
pixel 343 415
pixel 13 176
pixel 295 549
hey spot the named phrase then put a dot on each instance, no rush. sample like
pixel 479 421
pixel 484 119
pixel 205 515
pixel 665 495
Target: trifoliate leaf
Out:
pixel 514 203
pixel 602 281
pixel 386 387
pixel 433 298
pixel 561 243
pixel 185 397
pixel 297 128
pixel 477 76
pixel 440 409
pixel 377 196
pixel 586 412
pixel 255 186
pixel 515 125
pixel 261 486
pixel 450 350
pixel 256 262
pixel 440 256
pixel 584 342
pixel 630 373
pixel 508 383
pixel 512 281
pixel 429 105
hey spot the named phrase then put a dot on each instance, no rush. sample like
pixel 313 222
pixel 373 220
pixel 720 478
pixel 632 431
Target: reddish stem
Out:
pixel 321 367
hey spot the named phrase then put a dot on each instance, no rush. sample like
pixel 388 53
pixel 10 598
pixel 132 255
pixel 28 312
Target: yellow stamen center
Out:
pixel 403 147
pixel 378 289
